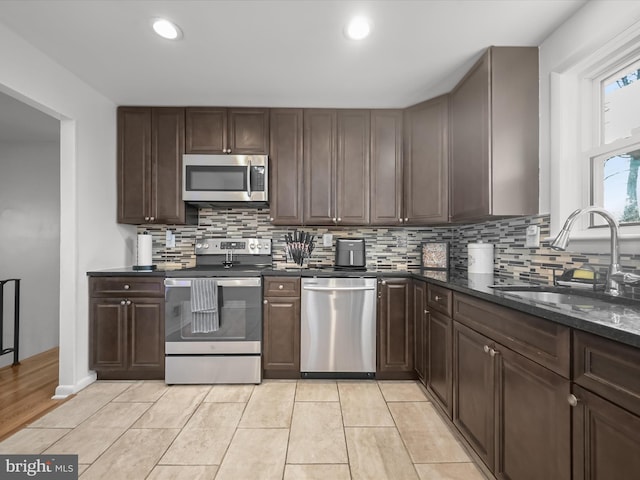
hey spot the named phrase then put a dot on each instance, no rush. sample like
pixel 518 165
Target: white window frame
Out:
pixel 575 138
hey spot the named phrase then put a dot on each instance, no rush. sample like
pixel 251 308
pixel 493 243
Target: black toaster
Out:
pixel 350 253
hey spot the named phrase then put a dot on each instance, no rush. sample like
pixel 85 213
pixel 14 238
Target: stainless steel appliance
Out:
pixel 229 349
pixel 350 253
pixel 225 179
pixel 338 331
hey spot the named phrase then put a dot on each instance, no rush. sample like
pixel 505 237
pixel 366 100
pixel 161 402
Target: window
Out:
pixel 615 155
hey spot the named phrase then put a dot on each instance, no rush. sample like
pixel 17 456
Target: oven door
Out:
pixel 239 314
pixel 224 178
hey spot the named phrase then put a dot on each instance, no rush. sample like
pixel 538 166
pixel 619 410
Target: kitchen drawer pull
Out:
pixel 437 298
pixel 126 287
pixel 280 287
pixel 486 348
pixel 265 301
pixel 573 400
pixel 122 302
pixel 128 302
pixel 384 282
pixel 493 352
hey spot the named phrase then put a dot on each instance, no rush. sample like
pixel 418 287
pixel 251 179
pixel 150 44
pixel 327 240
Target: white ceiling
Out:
pixel 277 52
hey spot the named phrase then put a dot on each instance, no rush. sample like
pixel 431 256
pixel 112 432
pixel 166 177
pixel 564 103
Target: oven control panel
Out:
pixel 217 246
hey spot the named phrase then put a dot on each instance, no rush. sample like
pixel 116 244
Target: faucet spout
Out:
pixel 562 240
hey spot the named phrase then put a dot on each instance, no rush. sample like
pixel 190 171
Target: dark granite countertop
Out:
pixel 613 319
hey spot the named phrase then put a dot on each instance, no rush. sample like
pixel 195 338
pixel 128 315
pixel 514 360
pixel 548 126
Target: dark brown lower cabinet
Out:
pixel 512 411
pixel 420 330
pixel 395 329
pixel 127 338
pixel 606 439
pixel 439 357
pixel 474 391
pixel 281 328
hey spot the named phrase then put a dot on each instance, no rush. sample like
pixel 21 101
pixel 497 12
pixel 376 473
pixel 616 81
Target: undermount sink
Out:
pixel 559 295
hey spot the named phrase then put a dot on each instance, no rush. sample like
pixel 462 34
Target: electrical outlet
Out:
pixel 327 240
pixel 170 239
pixel 532 237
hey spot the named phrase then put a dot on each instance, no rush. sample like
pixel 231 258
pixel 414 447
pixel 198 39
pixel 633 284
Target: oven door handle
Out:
pixel 221 281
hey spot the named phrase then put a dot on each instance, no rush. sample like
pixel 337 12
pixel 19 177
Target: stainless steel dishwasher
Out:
pixel 338 331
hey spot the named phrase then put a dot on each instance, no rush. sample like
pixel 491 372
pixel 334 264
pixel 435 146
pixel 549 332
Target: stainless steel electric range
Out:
pixel 213 313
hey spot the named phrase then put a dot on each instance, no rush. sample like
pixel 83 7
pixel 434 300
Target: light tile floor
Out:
pixel 291 430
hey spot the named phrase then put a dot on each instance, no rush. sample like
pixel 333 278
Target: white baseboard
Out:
pixel 63 391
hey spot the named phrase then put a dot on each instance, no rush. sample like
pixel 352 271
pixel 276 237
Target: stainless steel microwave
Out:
pixel 225 179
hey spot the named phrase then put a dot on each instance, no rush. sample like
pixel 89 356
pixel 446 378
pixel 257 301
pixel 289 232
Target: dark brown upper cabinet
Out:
pixel 285 166
pixel 426 197
pixel 386 167
pixel 227 130
pixel 150 148
pixel 494 137
pixel 336 167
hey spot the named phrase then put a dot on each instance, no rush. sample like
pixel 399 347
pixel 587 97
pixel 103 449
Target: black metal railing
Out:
pixel 16 320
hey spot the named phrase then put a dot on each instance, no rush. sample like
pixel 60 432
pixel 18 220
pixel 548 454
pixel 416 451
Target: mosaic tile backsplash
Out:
pixel 388 248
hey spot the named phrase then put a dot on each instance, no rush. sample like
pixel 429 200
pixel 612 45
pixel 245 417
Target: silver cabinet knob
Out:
pixel 271 219
pixel 122 302
pixel 401 220
pixel 265 301
pixel 126 287
pixel 573 400
pixel 339 219
pixel 384 282
pixel 146 219
pixel 493 352
pixel 426 311
pixel 486 348
pixel 280 287
pixel 152 218
pixel 128 302
pixel 437 298
pixel 334 219
pixel 406 219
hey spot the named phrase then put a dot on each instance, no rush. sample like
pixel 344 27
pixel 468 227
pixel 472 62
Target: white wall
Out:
pixel 90 238
pixel 30 243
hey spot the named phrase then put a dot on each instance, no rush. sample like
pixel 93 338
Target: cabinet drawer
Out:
pixel 540 340
pixel 129 286
pixel 607 368
pixel 440 299
pixel 282 286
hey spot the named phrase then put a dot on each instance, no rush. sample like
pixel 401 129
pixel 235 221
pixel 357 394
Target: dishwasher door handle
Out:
pixel 337 289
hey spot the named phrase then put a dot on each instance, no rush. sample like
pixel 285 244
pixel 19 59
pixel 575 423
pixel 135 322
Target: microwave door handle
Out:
pixel 249 179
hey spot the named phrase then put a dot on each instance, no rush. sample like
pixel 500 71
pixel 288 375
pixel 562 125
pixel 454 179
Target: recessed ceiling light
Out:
pixel 167 29
pixel 358 28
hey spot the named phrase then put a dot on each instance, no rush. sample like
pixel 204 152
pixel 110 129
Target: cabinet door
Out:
pixel 439 358
pixel 606 439
pixel 166 165
pixel 107 333
pixel 395 328
pixel 134 164
pixel 281 342
pixel 206 130
pixel 319 166
pixel 470 160
pixel 248 131
pixel 285 167
pixel 473 391
pixel 146 335
pixel 352 170
pixel 533 420
pixel 426 192
pixel 420 333
pixel 386 167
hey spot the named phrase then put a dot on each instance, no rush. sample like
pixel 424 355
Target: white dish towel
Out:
pixel 204 305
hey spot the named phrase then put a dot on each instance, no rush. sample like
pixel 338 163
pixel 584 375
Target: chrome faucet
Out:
pixel 615 275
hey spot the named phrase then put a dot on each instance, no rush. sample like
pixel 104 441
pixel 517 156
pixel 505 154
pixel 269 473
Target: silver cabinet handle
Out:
pixel 573 400
pixel 271 219
pixel 122 302
pixel 437 298
pixel 334 219
pixel 384 282
pixel 265 301
pixel 486 349
pixel 406 219
pixel 426 311
pixel 280 287
pixel 493 352
pixel 152 218
pixel 126 287
pixel 248 178
pixel 339 219
pixel 146 219
pixel 128 302
pixel 401 220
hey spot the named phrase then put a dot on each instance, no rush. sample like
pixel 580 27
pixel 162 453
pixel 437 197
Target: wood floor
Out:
pixel 26 391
